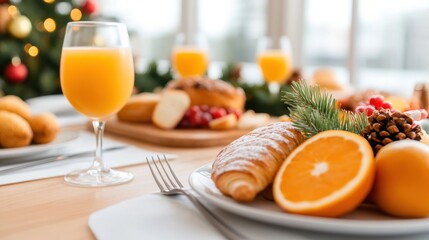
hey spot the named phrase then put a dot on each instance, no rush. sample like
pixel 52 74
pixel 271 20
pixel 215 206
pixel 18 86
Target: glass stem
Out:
pixel 274 88
pixel 98 163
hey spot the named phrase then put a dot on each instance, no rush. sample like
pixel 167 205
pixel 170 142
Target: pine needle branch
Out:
pixel 313 110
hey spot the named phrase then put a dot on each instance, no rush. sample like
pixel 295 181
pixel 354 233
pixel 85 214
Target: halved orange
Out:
pixel 328 175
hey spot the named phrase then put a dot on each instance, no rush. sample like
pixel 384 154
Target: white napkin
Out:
pixel 86 141
pixel 160 217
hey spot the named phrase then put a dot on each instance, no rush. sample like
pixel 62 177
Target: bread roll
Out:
pixel 45 127
pixel 248 165
pixel 252 120
pixel 327 80
pixel 224 123
pixel 14 130
pixel 211 92
pixel 170 109
pixel 139 108
pixel 12 103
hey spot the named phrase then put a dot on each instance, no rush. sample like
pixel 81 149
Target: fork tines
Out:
pixel 163 172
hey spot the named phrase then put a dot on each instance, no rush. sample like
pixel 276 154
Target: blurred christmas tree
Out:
pixel 31 36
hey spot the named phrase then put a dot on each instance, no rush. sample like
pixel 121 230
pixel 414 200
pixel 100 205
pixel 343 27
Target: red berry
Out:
pixel 185 123
pixel 205 119
pixel 386 105
pixel 369 110
pixel 230 110
pixel 204 108
pixel 187 114
pixel 360 109
pixel 238 114
pixel 217 112
pixel 376 101
pixel 193 110
pixel 195 120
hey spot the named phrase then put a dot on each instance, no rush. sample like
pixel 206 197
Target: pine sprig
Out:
pixel 313 110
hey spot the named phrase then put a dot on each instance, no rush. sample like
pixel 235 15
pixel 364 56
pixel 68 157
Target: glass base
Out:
pixel 97 178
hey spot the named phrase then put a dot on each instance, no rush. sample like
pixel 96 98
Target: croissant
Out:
pixel 248 165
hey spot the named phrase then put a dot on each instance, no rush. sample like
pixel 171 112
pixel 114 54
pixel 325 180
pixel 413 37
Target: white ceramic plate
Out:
pixel 366 220
pixel 56 104
pixel 62 140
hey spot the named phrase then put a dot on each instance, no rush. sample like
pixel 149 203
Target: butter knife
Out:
pixel 44 160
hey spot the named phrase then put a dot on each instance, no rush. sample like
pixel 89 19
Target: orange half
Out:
pixel 328 175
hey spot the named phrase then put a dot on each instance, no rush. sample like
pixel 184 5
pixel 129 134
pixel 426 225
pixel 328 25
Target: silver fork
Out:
pixel 169 185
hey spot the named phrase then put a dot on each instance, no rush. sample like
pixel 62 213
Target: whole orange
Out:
pixel 401 186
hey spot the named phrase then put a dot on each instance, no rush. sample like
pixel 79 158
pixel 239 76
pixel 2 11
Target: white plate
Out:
pixel 56 104
pixel 62 140
pixel 364 221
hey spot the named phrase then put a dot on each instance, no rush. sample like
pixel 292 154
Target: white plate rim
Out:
pixel 327 225
pixel 56 104
pixel 63 139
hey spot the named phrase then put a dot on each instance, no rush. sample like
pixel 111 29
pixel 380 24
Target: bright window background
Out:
pixel 153 25
pixel 232 28
pixel 326 35
pixel 393 41
pixel 393 36
pixel 394 44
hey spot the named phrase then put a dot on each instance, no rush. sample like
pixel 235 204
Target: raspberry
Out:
pixel 185 123
pixel 193 110
pixel 217 112
pixel 360 109
pixel 386 105
pixel 369 110
pixel 237 113
pixel 200 116
pixel 205 108
pixel 376 101
pixel 195 119
pixel 205 119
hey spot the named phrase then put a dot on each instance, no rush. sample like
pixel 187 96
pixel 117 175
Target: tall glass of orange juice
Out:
pixel 189 56
pixel 275 60
pixel 97 78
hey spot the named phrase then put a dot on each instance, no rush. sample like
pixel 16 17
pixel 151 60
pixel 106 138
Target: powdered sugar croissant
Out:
pixel 248 165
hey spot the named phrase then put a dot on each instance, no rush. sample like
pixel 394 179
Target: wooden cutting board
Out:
pixel 176 137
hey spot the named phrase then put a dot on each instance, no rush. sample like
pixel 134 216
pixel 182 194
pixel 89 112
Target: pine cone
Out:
pixel 385 127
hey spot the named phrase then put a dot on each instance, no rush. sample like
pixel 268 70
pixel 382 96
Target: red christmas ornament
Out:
pixel 16 72
pixel 89 7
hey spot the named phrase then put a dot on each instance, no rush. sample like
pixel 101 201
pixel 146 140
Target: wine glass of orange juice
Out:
pixel 275 60
pixel 97 78
pixel 189 56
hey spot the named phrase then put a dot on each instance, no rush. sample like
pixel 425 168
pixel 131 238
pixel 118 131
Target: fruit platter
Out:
pixel 368 167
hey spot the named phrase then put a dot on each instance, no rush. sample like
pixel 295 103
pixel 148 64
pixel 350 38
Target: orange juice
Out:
pixel 97 81
pixel 276 66
pixel 189 61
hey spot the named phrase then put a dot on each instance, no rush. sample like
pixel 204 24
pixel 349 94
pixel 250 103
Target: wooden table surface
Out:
pixel 50 209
